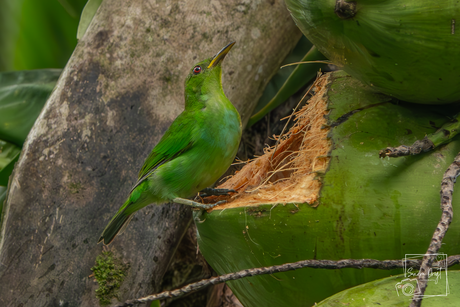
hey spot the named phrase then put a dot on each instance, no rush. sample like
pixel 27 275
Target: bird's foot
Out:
pixel 215 192
pixel 195 204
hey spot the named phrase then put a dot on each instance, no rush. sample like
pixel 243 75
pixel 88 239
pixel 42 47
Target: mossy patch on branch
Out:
pixel 109 273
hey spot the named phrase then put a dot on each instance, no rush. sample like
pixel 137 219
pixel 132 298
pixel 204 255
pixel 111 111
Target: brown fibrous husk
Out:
pixel 289 171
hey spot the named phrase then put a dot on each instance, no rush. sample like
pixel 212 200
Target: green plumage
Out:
pixel 194 152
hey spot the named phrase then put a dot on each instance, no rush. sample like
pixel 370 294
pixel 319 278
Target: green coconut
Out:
pixel 409 49
pixel 324 193
pixel 397 291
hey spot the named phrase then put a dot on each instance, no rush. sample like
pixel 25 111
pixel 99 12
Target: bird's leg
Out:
pixel 195 204
pixel 215 192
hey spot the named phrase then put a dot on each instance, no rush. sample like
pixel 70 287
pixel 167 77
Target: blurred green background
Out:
pixel 38 34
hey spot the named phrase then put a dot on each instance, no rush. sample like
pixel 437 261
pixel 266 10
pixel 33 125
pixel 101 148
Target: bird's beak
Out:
pixel 221 55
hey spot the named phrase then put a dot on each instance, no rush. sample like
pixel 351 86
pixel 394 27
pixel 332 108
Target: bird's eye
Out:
pixel 197 70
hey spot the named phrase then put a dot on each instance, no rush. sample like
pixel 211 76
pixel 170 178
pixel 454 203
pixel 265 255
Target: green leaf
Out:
pixel 282 75
pixel 38 34
pixel 9 154
pixel 155 304
pixel 299 76
pixel 87 15
pixel 2 200
pixel 22 96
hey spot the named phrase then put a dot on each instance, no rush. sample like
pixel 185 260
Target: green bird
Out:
pixel 195 151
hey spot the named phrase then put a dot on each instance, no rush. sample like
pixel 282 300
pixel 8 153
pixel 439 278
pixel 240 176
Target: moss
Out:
pixel 168 76
pixel 109 272
pixel 205 35
pixel 75 187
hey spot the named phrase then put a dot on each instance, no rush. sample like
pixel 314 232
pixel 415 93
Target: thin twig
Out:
pixel 418 147
pixel 447 188
pixel 317 264
pixel 307 62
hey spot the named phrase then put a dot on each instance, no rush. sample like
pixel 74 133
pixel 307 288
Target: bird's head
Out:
pixel 206 75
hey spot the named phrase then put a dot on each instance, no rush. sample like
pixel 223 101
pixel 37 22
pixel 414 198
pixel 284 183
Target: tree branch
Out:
pixel 418 147
pixel 442 136
pixel 317 264
pixel 447 188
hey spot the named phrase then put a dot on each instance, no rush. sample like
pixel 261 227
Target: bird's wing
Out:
pixel 176 140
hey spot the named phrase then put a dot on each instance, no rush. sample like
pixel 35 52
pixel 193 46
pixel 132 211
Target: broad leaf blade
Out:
pixel 9 154
pixel 299 77
pixel 22 96
pixel 277 81
pixel 2 200
pixel 38 34
pixel 87 15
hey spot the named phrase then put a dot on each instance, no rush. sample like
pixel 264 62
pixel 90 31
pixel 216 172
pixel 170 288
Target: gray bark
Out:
pixel 118 94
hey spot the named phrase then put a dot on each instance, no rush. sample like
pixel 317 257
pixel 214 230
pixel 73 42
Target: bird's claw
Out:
pixel 215 192
pixel 197 205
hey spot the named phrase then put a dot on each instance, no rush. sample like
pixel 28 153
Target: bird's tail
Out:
pixel 117 225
